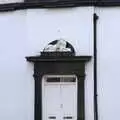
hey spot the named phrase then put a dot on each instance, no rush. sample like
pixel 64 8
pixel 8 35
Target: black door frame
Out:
pixel 54 65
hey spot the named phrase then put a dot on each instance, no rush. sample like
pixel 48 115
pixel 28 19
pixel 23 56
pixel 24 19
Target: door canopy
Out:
pixel 60 56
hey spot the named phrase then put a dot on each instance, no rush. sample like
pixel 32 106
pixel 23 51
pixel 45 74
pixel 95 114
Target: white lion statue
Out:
pixel 60 46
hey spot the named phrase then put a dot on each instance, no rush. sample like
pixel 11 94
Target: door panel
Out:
pixel 59 99
pixel 69 101
pixel 52 102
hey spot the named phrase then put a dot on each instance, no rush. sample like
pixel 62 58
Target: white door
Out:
pixel 59 98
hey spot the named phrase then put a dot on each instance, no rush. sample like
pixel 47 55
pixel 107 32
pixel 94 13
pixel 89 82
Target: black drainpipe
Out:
pixel 95 17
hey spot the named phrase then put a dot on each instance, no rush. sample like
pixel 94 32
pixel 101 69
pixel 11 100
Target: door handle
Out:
pixel 68 117
pixel 52 117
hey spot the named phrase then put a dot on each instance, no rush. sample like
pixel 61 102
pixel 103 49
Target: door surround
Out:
pixel 59 65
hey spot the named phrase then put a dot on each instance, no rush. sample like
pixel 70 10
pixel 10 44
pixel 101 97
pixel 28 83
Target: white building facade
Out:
pixel 27 28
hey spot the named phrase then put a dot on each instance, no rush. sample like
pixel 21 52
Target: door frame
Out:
pixel 62 65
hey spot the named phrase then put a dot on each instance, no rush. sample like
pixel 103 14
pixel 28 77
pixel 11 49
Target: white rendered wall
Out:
pixel 108 38
pixel 16 83
pixel 10 1
pixel 26 33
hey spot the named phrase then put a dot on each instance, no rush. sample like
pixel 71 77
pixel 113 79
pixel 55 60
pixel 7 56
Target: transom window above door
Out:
pixel 50 79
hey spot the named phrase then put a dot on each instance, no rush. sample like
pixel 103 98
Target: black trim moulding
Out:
pixel 58 4
pixel 58 59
